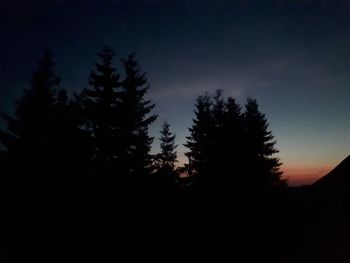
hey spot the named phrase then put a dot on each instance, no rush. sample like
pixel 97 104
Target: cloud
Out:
pixel 232 86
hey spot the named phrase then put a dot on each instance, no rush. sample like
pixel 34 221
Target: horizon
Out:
pixel 291 56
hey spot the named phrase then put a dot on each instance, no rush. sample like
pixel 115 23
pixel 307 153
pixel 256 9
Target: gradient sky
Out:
pixel 292 56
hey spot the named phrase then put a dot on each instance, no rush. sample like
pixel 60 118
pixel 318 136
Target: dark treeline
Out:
pixel 78 170
pixel 101 134
pixel 229 148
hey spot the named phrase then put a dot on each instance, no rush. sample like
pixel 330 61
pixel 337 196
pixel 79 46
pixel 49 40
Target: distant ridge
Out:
pixel 338 178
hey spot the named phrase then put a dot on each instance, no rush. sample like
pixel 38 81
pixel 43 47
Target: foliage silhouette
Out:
pixel 165 161
pixel 99 113
pixel 135 160
pixel 260 165
pixel 86 156
pixel 228 149
pixel 104 132
pixel 30 139
pixel 199 141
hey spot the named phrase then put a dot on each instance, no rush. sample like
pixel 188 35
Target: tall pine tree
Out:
pixel 166 174
pixel 230 150
pixel 261 167
pixel 200 141
pixel 100 114
pixel 30 136
pixel 166 159
pixel 135 117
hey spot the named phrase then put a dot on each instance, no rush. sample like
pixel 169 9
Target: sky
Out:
pixel 291 55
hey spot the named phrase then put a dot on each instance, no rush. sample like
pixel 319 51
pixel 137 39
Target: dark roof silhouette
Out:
pixel 338 178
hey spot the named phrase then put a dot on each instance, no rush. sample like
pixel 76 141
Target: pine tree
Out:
pixel 135 117
pixel 232 143
pixel 166 174
pixel 261 167
pixel 200 141
pixel 228 149
pixel 30 133
pixel 100 114
pixel 166 159
pixel 215 142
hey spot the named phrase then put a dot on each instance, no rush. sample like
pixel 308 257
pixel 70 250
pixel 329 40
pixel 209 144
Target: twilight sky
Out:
pixel 293 56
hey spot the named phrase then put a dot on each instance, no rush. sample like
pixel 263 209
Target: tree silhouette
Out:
pixel 261 167
pixel 134 111
pixel 166 159
pixel 215 141
pixel 228 149
pixel 167 156
pixel 232 143
pixel 200 141
pixel 30 136
pixel 99 111
pixel 105 131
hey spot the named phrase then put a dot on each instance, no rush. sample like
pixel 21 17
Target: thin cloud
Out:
pixel 231 86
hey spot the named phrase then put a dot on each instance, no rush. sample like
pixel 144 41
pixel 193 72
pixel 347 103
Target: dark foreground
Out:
pixel 96 223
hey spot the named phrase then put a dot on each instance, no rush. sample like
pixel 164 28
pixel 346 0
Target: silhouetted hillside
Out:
pixel 337 179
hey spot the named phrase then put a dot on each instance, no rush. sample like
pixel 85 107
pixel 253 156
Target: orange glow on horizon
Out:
pixel 304 175
pixel 297 174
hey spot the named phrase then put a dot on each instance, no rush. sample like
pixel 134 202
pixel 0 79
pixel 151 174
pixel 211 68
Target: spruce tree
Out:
pixel 166 159
pixel 261 167
pixel 230 150
pixel 100 114
pixel 30 133
pixel 135 117
pixel 200 141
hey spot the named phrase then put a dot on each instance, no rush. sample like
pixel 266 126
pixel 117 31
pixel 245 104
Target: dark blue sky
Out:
pixel 292 56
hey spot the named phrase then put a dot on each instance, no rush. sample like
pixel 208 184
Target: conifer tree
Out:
pixel 200 141
pixel 100 114
pixel 228 149
pixel 135 117
pixel 166 159
pixel 261 167
pixel 30 133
